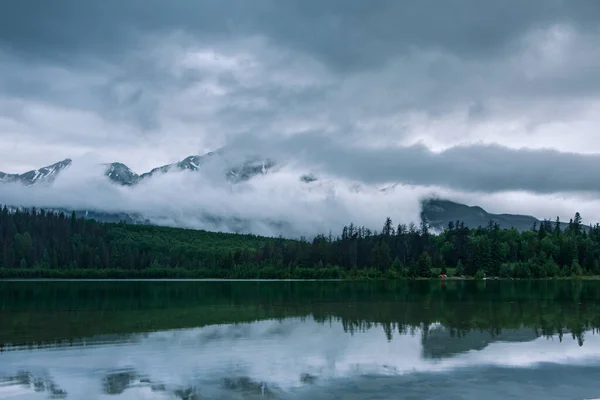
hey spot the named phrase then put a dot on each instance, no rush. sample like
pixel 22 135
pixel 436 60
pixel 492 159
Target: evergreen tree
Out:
pixel 551 269
pixel 596 267
pixel 397 266
pixel 576 269
pixel 388 227
pixel 381 256
pixel 577 222
pixel 424 265
pixel 460 269
pixel 557 229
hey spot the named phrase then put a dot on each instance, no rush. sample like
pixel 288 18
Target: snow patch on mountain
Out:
pixel 43 175
pixel 122 174
pixel 233 169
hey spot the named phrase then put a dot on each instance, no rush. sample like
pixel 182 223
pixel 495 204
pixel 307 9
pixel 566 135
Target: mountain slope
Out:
pixel 42 175
pixel 234 172
pixel 121 173
pixel 440 212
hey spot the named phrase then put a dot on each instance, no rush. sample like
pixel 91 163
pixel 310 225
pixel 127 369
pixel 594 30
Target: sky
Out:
pixel 495 103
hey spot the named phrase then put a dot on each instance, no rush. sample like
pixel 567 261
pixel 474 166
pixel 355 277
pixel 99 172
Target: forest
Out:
pixel 36 243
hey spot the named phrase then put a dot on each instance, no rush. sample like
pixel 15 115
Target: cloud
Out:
pixel 278 203
pixel 348 34
pixel 188 198
pixel 486 168
pixel 501 97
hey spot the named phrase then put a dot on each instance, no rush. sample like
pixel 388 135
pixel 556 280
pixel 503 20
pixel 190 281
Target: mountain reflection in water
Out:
pixel 197 340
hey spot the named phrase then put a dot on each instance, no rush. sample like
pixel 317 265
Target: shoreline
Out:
pixel 16 275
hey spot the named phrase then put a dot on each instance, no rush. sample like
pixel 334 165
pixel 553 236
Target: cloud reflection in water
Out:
pixel 270 359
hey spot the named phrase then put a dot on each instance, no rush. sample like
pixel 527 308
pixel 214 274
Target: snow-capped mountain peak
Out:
pixel 43 175
pixel 121 174
pixel 192 163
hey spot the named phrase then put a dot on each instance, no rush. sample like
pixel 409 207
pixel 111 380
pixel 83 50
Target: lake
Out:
pixel 299 340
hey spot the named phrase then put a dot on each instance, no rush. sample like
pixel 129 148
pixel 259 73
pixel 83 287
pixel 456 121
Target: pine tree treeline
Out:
pixel 38 243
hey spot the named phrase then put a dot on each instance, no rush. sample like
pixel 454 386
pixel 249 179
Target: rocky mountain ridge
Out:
pixel 121 174
pixel 45 174
pixel 440 212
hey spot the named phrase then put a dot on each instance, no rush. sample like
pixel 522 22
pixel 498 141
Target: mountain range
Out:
pixel 121 174
pixel 437 212
pixel 44 174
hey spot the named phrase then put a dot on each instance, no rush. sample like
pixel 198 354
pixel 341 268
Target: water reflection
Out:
pixel 184 341
pixel 25 381
pixel 278 359
pixel 440 342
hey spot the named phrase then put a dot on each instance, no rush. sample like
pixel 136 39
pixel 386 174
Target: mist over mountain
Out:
pixel 234 193
pixel 121 174
pixel 440 212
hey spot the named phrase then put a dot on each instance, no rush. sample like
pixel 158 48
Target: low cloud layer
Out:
pixel 498 101
pixel 277 203
pixel 470 168
pixel 186 199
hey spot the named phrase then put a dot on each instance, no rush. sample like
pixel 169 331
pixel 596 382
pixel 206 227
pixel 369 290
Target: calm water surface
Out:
pixel 299 340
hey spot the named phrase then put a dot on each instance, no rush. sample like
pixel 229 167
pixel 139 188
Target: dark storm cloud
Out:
pixel 347 34
pixel 485 168
pixel 365 61
pixel 474 168
pixel 349 37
